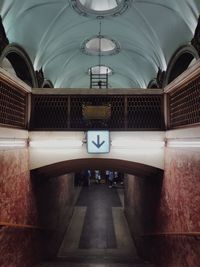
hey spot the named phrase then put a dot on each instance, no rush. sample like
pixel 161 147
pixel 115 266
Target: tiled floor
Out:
pixel 98 235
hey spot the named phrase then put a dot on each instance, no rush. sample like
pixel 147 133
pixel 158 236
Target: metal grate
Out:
pixel 184 105
pixel 50 112
pixel 145 112
pixel 13 106
pixel 67 112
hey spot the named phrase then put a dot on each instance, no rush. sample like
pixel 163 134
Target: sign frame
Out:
pixel 98 142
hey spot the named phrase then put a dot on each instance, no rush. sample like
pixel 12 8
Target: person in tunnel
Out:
pixel 97 177
pixel 110 179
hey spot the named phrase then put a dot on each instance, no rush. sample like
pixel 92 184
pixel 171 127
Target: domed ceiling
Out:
pixel 133 38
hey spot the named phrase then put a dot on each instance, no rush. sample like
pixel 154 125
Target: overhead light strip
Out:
pixel 12 143
pixel 141 144
pixel 193 143
pixel 57 144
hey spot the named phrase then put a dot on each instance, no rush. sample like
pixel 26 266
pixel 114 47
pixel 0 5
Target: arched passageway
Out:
pixel 96 222
pixel 76 165
pixel 181 60
pixel 15 59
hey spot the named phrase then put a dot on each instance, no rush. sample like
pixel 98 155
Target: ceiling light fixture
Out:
pixel 100 7
pixel 108 46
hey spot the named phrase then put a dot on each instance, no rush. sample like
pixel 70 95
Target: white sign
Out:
pixel 98 142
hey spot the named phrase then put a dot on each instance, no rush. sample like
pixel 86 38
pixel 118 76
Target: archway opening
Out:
pixel 182 59
pixel 96 215
pixel 16 61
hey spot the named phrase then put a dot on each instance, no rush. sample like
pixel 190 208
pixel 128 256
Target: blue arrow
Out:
pixel 98 144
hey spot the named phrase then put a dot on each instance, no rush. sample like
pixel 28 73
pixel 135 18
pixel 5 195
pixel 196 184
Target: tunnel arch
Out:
pixel 153 84
pixel 179 62
pixel 47 84
pixel 76 165
pixel 20 62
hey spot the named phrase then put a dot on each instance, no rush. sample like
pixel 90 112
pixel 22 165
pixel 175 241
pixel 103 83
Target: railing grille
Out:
pixel 184 105
pixel 65 112
pixel 145 112
pixel 50 112
pixel 13 106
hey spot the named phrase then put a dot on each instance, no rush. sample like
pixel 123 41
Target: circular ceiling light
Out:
pixel 100 7
pixel 100 70
pixel 100 45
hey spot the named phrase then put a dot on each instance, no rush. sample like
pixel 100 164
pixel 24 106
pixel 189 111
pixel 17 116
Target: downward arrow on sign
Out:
pixel 98 144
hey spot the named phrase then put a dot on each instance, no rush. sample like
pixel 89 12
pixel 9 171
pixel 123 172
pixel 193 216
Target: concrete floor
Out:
pixel 98 235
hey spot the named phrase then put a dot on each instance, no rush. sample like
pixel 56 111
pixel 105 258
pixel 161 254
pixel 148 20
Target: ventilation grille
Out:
pixel 184 105
pixel 13 106
pixel 66 112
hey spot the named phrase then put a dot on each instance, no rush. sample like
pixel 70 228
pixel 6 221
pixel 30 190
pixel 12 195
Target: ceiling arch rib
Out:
pixel 44 42
pixel 6 6
pixel 175 26
pixel 127 69
pixel 62 35
pixel 28 6
pixel 179 10
pixel 53 41
pixel 61 51
pixel 155 40
pixel 139 34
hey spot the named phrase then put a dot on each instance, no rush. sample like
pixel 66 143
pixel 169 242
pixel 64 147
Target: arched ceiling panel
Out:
pixel 52 33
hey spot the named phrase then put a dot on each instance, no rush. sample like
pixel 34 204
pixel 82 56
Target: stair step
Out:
pixel 72 264
pixel 95 262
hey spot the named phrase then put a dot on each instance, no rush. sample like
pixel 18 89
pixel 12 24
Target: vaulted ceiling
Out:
pixel 140 36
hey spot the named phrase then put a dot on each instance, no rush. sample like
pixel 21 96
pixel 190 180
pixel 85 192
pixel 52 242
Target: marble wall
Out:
pixel 176 209
pixel 55 199
pixel 32 201
pixel 142 197
pixel 18 247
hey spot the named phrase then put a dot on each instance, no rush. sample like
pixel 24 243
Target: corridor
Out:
pixel 98 234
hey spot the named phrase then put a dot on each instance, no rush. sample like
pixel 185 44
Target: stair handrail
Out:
pixel 172 234
pixel 25 226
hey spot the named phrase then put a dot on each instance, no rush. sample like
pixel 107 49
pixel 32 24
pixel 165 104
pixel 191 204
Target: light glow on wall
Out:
pixel 55 143
pixel 13 143
pixel 190 143
pixel 137 144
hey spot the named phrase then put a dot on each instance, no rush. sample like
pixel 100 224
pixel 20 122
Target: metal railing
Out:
pixel 21 226
pixel 63 109
pixel 128 109
pixel 183 99
pixel 13 102
pixel 195 234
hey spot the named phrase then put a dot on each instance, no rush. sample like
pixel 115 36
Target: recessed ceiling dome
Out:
pixel 100 7
pixel 100 44
pixel 100 70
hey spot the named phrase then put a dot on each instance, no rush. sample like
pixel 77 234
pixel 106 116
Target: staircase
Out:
pixel 98 234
